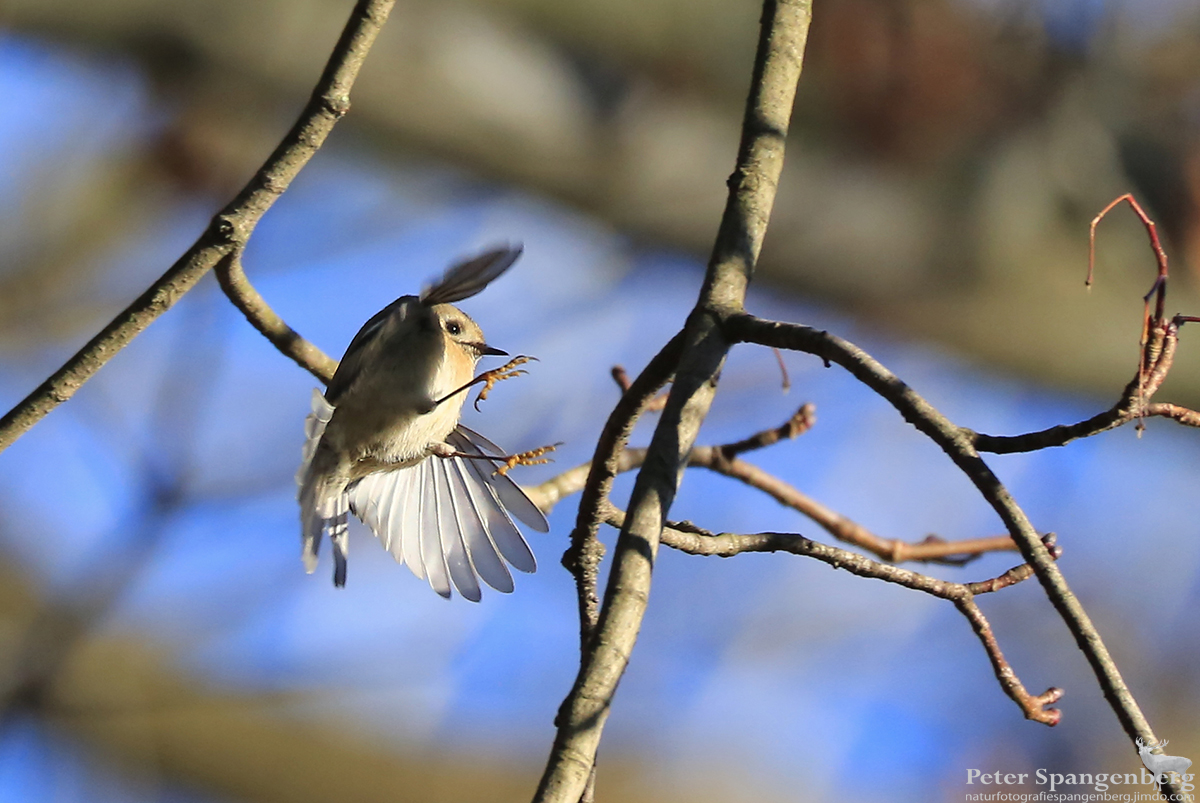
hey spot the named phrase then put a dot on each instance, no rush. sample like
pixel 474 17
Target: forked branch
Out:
pixel 1157 346
pixel 723 460
pixel 958 445
pixel 703 348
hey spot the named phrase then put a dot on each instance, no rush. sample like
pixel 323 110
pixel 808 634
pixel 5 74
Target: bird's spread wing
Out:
pixel 448 519
pixel 470 277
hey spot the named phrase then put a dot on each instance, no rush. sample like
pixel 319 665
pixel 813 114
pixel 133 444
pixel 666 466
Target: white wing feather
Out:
pixel 409 523
pixel 431 538
pixel 485 557
pixel 453 548
pixel 512 498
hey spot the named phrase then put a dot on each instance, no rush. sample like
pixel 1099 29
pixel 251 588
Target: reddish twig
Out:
pixel 787 380
pixel 1157 346
pixel 655 405
pixel 1159 287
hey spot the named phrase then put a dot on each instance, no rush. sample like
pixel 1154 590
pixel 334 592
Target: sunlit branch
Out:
pixel 583 556
pixel 581 718
pixel 232 278
pixel 229 230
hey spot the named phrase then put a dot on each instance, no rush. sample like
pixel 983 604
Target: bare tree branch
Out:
pixel 229 230
pixel 582 558
pixel 739 239
pixel 957 443
pixel 694 540
pixel 721 459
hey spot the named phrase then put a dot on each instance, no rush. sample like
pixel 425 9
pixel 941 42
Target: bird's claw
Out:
pixel 506 371
pixel 531 458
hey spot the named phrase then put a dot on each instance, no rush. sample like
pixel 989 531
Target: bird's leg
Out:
pixel 490 378
pixel 507 461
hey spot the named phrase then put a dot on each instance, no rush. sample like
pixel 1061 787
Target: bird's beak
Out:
pixel 486 350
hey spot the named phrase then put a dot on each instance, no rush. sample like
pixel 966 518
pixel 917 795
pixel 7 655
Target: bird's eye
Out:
pixel 454 327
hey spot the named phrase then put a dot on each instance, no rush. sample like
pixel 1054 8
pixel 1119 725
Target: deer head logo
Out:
pixel 1160 765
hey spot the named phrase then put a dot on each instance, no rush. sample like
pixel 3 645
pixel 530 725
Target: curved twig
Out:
pixel 1134 404
pixel 229 229
pixel 1158 342
pixel 232 278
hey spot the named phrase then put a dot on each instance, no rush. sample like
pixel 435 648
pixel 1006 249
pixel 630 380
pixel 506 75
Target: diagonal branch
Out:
pixel 583 557
pixel 229 230
pixel 751 195
pixel 958 445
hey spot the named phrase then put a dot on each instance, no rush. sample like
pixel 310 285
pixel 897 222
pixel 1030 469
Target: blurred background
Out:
pixel 159 640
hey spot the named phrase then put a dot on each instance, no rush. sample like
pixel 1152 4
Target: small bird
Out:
pixel 384 443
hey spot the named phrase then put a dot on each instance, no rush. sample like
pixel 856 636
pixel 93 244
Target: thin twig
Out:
pixel 694 540
pixel 801 421
pixel 786 383
pixel 229 230
pixel 1159 288
pixel 1157 353
pixel 841 527
pixel 739 238
pixel 721 460
pixel 1133 405
pixel 655 405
